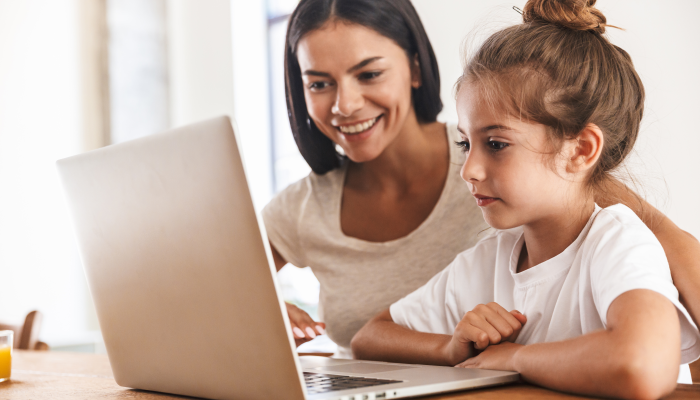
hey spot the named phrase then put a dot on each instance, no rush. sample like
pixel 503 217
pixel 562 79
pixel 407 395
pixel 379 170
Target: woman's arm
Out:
pixel 637 356
pixel 304 327
pixel 681 248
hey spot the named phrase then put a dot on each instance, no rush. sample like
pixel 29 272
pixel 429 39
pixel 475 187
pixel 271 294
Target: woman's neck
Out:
pixel 417 151
pixel 550 236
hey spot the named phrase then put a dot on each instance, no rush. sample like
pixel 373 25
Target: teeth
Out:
pixel 357 128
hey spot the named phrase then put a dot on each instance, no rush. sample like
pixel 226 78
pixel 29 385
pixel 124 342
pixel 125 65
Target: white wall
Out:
pixel 41 121
pixel 661 36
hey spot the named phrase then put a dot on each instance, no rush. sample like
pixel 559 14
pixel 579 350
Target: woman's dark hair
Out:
pixel 395 19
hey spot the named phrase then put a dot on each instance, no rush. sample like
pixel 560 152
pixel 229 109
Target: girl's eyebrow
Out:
pixel 490 128
pixel 351 69
pixel 497 127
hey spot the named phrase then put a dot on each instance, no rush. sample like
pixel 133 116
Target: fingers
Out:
pixel 479 331
pixel 522 319
pixel 303 326
pixel 506 323
pixel 490 324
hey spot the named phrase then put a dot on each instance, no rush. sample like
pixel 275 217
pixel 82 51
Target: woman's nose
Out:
pixel 473 169
pixel 348 100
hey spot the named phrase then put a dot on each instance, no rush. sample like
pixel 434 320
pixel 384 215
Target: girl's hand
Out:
pixel 304 328
pixel 499 357
pixel 485 325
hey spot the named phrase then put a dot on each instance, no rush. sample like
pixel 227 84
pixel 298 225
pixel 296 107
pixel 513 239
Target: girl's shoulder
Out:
pixel 484 253
pixel 619 224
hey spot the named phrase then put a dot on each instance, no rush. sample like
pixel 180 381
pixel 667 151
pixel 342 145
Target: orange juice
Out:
pixel 5 362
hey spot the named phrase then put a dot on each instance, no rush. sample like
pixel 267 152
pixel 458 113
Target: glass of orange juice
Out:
pixel 5 355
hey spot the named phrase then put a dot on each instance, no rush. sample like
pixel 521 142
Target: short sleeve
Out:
pixel 426 310
pixel 627 256
pixel 439 305
pixel 282 217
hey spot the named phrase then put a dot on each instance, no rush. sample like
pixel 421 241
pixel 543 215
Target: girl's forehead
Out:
pixel 477 113
pixel 474 107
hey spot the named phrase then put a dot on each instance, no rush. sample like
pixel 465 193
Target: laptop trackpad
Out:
pixel 362 368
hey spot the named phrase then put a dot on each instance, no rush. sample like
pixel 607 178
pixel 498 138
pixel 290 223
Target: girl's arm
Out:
pixel 487 324
pixel 637 356
pixel 383 339
pixel 681 248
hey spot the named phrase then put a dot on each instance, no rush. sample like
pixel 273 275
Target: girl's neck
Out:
pixel 548 237
pixel 411 155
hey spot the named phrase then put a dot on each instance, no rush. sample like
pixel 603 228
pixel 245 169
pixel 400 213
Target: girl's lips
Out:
pixel 483 201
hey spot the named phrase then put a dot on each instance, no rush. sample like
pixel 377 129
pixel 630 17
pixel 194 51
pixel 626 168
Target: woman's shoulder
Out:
pixel 321 188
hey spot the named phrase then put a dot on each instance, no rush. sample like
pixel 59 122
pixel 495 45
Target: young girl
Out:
pixel 546 110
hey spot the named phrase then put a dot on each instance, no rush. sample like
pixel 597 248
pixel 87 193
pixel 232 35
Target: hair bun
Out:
pixel 578 15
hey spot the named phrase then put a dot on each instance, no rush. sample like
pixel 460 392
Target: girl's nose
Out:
pixel 473 169
pixel 348 100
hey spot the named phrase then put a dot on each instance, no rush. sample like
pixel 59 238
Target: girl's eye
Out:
pixel 464 145
pixel 366 76
pixel 496 146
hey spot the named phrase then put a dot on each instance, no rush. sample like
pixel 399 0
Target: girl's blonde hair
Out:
pixel 558 69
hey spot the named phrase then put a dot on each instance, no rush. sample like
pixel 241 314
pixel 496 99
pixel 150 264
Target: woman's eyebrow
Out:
pixel 353 68
pixel 364 63
pixel 316 73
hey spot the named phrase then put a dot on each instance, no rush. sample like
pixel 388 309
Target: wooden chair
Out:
pixel 26 337
pixel 695 371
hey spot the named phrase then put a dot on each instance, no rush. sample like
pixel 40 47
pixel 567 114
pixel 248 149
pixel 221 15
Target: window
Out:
pixel 299 286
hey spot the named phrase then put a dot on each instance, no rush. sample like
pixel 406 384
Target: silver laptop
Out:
pixel 180 270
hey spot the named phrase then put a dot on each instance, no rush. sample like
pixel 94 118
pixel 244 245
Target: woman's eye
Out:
pixel 496 146
pixel 366 76
pixel 318 85
pixel 464 145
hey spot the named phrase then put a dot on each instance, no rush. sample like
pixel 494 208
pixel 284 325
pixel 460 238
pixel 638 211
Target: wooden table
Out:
pixel 58 375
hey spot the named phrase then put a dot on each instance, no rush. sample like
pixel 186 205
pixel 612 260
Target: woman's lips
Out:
pixel 358 136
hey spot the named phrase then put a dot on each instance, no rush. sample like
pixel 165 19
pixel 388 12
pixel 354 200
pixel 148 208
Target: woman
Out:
pixel 379 221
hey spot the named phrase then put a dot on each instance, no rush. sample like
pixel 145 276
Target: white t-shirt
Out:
pixel 360 278
pixel 564 297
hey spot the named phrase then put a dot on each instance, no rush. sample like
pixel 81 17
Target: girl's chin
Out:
pixel 498 222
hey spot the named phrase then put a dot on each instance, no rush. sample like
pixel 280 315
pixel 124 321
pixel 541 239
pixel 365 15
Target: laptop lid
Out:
pixel 180 275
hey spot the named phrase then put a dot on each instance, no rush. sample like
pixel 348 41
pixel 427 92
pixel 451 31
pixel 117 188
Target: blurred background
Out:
pixel 76 75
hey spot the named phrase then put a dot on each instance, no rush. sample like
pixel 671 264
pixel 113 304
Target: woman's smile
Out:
pixel 357 131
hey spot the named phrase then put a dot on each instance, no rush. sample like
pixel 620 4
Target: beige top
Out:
pixel 360 278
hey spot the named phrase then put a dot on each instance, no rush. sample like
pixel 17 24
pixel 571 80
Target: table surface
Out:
pixel 58 375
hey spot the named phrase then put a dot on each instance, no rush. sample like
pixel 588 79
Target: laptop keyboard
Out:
pixel 322 383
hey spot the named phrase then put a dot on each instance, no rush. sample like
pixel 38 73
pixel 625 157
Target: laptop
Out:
pixel 181 274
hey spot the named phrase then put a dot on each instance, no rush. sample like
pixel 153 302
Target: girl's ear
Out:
pixel 416 76
pixel 587 150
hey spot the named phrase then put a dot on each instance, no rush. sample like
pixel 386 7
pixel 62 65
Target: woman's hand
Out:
pixel 499 357
pixel 304 327
pixel 483 326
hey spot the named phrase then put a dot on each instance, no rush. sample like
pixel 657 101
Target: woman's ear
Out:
pixel 416 76
pixel 587 150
